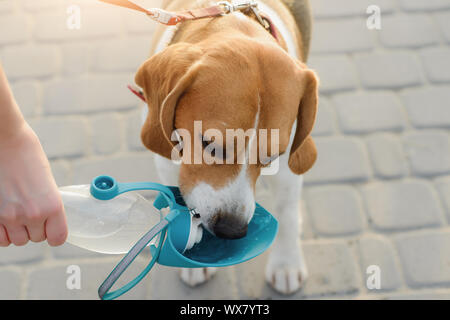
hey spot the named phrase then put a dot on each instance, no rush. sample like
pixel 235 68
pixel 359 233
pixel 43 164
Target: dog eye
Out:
pixel 206 144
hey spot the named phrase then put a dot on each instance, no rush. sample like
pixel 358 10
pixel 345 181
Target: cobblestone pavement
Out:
pixel 378 195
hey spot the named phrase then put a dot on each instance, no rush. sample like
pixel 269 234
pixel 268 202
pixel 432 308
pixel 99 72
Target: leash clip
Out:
pixel 244 5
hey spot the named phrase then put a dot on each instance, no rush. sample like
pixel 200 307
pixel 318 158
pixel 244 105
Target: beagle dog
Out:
pixel 230 72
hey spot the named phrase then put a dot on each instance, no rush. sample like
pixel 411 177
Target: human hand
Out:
pixel 30 205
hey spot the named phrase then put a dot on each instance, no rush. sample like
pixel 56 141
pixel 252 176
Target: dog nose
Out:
pixel 229 227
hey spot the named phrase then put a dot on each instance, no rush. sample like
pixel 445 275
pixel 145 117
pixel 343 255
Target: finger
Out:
pixel 18 235
pixel 4 240
pixel 36 232
pixel 56 229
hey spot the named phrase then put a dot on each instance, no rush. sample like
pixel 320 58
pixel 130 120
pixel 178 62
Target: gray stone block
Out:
pixel 430 5
pixel 408 31
pixel 166 284
pixel 437 64
pixel 337 72
pixel 394 206
pixel 334 210
pixel 425 258
pixel 125 168
pixel 343 35
pixel 62 137
pixel 428 152
pixel 325 122
pixel 376 250
pixel 339 160
pixel 32 252
pixel 388 70
pixel 428 107
pixel 443 186
pixel 387 155
pixel 10 281
pixel 367 112
pixel 45 283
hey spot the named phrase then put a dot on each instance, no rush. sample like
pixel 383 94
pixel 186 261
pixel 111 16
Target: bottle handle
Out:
pixel 103 290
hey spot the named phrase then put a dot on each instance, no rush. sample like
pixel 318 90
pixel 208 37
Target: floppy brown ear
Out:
pixel 164 78
pixel 303 151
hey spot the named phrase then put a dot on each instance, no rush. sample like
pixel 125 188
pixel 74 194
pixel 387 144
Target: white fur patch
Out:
pixel 237 197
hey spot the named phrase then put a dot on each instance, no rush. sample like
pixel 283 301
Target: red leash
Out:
pixel 173 18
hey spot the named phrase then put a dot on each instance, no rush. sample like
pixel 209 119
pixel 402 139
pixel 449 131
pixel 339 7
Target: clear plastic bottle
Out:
pixel 110 227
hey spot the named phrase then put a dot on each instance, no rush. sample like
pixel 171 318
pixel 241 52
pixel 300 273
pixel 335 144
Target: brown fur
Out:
pixel 215 71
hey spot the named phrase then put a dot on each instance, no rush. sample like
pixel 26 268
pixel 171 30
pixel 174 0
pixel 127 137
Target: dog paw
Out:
pixel 196 276
pixel 286 279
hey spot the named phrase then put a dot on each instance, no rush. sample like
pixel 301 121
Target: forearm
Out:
pixel 11 119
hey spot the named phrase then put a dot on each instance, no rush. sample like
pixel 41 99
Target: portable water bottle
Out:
pixel 110 217
pixel 113 226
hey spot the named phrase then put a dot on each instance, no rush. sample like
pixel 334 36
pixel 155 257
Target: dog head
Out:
pixel 239 86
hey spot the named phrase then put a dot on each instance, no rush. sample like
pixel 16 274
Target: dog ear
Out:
pixel 303 151
pixel 164 78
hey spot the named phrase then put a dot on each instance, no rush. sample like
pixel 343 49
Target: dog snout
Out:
pixel 229 226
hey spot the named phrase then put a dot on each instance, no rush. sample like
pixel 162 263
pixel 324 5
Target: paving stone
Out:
pixel 166 284
pixel 32 252
pixel 443 20
pixel 32 5
pixel 335 270
pixel 6 6
pixel 443 185
pixel 366 112
pixel 420 296
pixel 60 171
pixel 418 5
pixel 408 31
pixel 343 8
pixel 52 26
pixel 28 96
pixel 428 107
pixel 105 140
pixel 332 271
pixel 388 70
pixel 340 214
pixel 387 155
pixel 134 126
pixel 14 28
pixel 425 258
pixel 376 250
pixel 343 35
pixel 336 72
pixel 339 160
pixel 69 251
pixel 402 205
pixel 61 137
pixel 89 94
pixel 428 152
pixel 10 284
pixel 126 168
pixel 18 63
pixel 115 55
pixel 325 121
pixel 92 274
pixel 76 58
pixel 437 64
